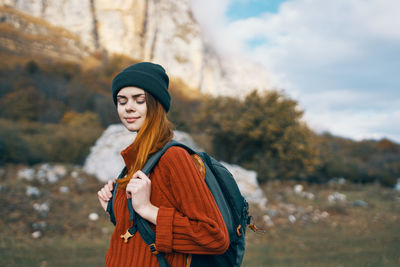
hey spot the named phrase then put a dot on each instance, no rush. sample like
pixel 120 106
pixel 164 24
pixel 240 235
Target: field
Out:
pixel 350 233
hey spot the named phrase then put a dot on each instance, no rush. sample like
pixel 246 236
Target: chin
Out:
pixel 132 127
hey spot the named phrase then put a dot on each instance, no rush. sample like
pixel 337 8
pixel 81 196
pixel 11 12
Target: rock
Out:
pixel 318 215
pixel 397 186
pixel 161 31
pixel 48 173
pixel 298 188
pixel 336 197
pixel 28 35
pixel 105 161
pixel 93 216
pixel 39 225
pixel 26 174
pixel 74 174
pixel 309 195
pixel 268 221
pixel 32 191
pixel 64 189
pixel 359 203
pixel 60 170
pixel 36 234
pixel 292 218
pixel 272 213
pixel 248 184
pixel 324 214
pixel 42 209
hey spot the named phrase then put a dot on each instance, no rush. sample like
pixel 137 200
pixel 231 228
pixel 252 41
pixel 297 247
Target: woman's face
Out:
pixel 132 107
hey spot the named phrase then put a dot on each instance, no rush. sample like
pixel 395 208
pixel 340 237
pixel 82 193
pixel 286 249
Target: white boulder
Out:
pixel 105 161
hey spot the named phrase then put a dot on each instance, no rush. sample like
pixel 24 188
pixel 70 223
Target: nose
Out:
pixel 129 107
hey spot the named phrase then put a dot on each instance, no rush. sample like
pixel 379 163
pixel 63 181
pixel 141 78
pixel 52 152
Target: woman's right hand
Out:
pixel 104 194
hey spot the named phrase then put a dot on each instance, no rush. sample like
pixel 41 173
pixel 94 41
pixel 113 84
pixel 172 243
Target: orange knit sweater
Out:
pixel 188 219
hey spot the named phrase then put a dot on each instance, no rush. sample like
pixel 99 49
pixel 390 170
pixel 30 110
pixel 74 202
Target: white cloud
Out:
pixel 339 58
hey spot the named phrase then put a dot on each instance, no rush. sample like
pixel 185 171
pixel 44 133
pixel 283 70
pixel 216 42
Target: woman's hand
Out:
pixel 104 194
pixel 139 190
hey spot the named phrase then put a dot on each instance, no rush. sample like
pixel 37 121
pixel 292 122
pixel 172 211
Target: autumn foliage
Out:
pixel 54 112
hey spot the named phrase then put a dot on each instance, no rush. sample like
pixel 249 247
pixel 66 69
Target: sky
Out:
pixel 339 59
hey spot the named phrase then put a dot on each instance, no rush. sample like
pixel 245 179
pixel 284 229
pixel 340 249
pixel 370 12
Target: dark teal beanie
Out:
pixel 148 76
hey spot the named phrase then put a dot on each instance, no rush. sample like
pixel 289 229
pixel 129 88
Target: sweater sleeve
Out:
pixel 194 224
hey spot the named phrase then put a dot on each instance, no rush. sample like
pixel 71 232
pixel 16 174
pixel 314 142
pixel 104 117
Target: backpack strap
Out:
pixel 155 157
pixel 146 232
pixel 110 205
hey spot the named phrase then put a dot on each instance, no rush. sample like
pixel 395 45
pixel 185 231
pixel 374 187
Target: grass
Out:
pixel 324 245
pixel 53 252
pixel 350 236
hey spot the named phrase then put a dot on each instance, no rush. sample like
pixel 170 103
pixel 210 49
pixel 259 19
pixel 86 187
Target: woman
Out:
pixel 174 197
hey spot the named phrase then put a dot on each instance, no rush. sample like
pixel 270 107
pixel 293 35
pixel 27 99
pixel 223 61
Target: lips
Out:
pixel 131 119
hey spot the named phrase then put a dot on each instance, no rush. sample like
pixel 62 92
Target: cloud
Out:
pixel 339 58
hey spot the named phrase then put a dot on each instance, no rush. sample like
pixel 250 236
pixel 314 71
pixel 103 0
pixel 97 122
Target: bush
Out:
pixel 261 132
pixel 34 142
pixel 359 162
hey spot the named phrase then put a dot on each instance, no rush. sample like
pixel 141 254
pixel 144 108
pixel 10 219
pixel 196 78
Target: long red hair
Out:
pixel 152 136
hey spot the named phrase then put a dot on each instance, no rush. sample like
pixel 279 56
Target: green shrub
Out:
pixel 260 132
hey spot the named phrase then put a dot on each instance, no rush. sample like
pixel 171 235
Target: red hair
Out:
pixel 152 136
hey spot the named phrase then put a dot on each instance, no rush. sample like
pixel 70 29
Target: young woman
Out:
pixel 174 197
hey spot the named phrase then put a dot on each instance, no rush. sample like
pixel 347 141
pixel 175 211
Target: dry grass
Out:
pixel 360 236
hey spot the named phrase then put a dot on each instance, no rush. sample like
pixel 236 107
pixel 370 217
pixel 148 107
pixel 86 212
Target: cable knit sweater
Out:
pixel 188 220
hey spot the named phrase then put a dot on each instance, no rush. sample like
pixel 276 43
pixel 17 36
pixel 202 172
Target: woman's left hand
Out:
pixel 139 190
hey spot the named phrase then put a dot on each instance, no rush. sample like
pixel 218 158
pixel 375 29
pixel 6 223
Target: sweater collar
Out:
pixel 129 155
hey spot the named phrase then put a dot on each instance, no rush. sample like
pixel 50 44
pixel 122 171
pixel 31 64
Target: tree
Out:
pixel 263 132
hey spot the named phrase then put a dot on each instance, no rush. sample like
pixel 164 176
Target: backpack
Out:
pixel 231 204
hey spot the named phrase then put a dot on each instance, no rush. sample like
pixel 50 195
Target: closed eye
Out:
pixel 122 100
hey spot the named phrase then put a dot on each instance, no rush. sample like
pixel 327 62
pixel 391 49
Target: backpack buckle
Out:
pixel 153 249
pixel 239 230
pixel 126 236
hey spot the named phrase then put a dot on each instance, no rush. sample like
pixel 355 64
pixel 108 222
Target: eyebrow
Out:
pixel 134 96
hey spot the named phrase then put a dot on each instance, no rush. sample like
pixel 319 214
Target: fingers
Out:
pixel 133 187
pixel 140 175
pixel 110 185
pixel 138 183
pixel 105 192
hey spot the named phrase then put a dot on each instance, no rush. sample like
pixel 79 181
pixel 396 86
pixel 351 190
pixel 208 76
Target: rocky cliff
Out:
pixel 23 35
pixel 153 30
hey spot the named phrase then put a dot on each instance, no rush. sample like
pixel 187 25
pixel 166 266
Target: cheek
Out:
pixel 120 111
pixel 143 111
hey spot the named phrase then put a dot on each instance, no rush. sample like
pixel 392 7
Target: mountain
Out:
pixel 22 36
pixel 161 31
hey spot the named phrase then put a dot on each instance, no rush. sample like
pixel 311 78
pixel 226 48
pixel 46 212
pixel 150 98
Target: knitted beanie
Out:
pixel 148 76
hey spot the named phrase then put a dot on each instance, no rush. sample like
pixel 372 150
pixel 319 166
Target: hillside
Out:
pixel 23 36
pixel 165 32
